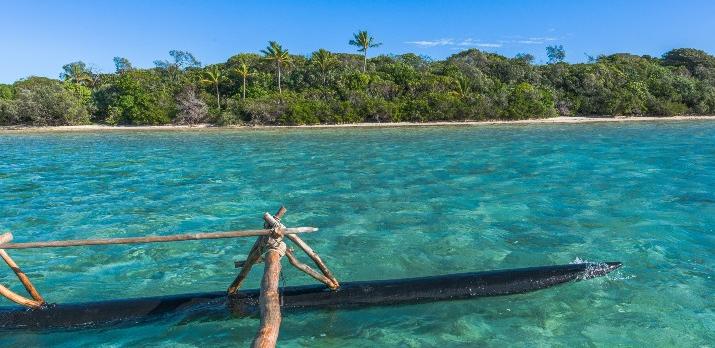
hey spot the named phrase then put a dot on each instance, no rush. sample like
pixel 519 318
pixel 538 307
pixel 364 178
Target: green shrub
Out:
pixel 137 98
pixel 45 102
pixel 527 101
pixel 303 112
pixel 658 107
pixel 469 85
pixel 7 92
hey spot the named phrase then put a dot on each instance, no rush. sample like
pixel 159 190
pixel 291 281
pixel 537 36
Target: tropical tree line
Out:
pixel 277 87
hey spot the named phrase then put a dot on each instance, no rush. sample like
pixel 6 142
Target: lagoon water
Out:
pixel 390 203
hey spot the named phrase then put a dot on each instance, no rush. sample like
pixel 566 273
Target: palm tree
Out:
pixel 462 87
pixel 214 77
pixel 77 72
pixel 276 53
pixel 324 60
pixel 363 41
pixel 244 72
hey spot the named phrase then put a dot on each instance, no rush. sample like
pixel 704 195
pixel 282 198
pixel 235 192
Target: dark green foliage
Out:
pixel 556 54
pixel 136 97
pixel 6 91
pixel 334 88
pixel 78 73
pixel 122 65
pixel 40 101
pixel 697 62
pixel 527 101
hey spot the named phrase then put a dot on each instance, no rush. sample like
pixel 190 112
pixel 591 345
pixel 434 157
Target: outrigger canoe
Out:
pixel 350 295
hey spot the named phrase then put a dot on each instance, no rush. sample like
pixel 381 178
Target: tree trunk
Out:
pixel 244 88
pixel 280 91
pixel 218 98
pixel 364 62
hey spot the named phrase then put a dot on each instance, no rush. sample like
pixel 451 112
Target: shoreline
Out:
pixel 553 120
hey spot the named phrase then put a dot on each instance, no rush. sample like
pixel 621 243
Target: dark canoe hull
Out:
pixel 351 294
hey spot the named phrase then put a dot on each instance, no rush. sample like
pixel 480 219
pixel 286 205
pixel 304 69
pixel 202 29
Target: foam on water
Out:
pixel 390 203
pixel 594 271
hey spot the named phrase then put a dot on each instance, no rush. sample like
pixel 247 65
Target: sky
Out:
pixel 41 36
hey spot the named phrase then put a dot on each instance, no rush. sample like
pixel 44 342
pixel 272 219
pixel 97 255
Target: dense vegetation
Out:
pixel 275 87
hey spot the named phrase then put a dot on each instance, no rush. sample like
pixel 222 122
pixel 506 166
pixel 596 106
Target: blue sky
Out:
pixel 40 36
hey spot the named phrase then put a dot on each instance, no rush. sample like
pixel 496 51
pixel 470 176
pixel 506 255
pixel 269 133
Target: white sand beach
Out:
pixel 553 120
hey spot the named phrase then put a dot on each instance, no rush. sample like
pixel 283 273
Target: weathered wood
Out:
pixel 273 223
pixel 281 211
pixel 5 238
pixel 241 263
pixel 254 256
pixel 269 301
pixel 11 295
pixel 305 268
pixel 154 239
pixel 22 276
pixel 314 256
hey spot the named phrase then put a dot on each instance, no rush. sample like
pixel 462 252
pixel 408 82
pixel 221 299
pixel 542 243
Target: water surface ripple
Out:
pixel 390 203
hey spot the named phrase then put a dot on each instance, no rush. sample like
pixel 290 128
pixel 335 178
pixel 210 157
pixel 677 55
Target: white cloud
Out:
pixel 453 43
pixel 488 45
pixel 477 43
pixel 432 43
pixel 466 42
pixel 536 40
pixel 543 38
pixel 469 42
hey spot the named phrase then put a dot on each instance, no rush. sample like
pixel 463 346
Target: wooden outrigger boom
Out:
pixel 269 246
pixel 153 239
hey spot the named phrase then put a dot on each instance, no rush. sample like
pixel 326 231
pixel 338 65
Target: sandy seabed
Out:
pixel 553 120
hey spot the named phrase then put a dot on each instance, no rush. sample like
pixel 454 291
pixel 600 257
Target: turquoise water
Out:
pixel 390 203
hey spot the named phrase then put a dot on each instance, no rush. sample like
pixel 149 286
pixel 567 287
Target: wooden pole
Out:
pixel 269 300
pixel 9 294
pixel 314 256
pixel 22 276
pixel 12 296
pixel 154 239
pixel 254 255
pixel 305 268
pixel 281 211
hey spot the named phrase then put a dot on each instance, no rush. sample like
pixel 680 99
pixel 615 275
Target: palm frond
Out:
pixel 363 41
